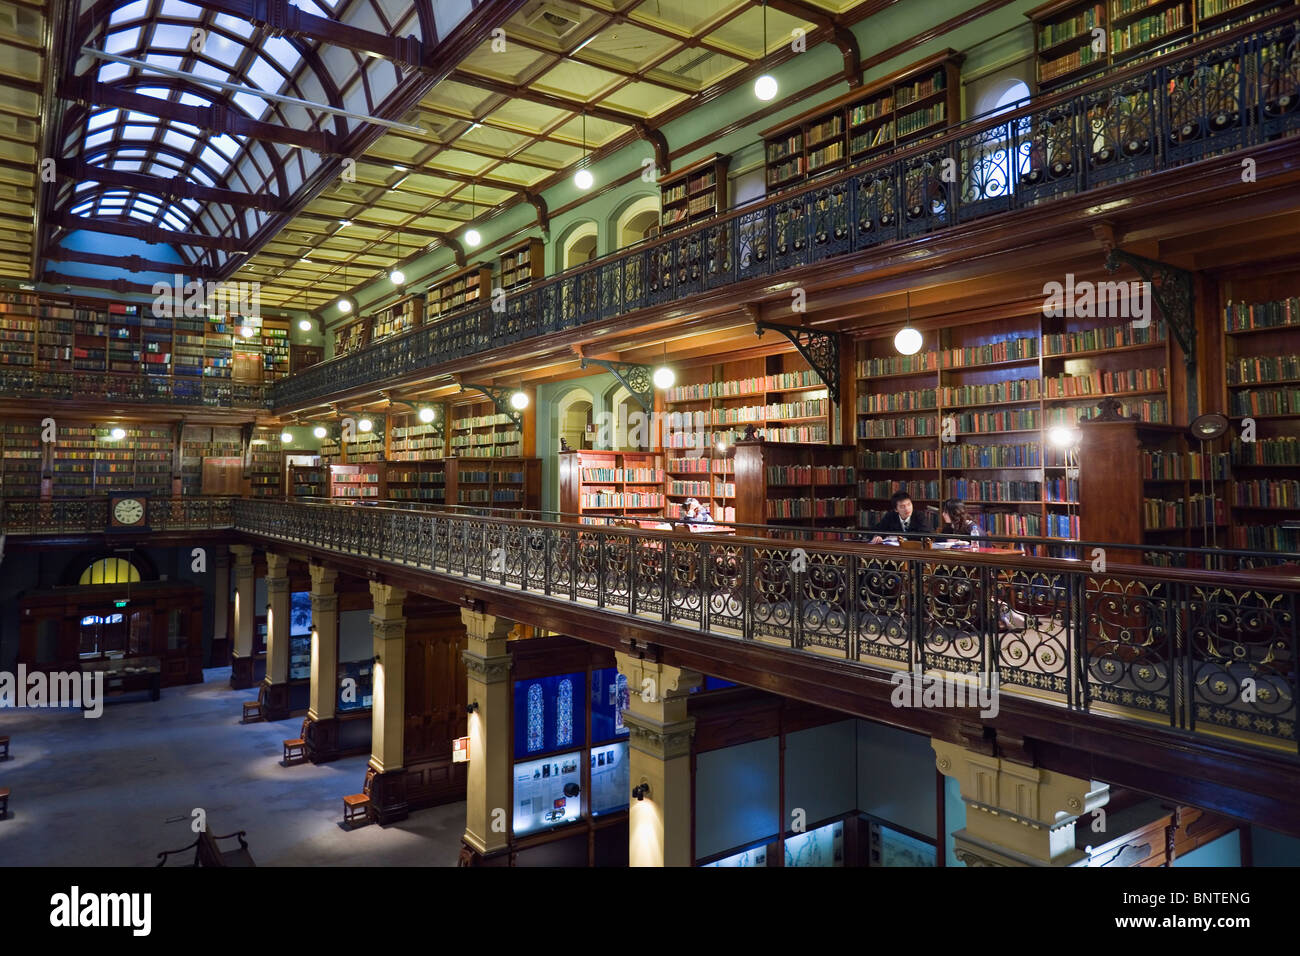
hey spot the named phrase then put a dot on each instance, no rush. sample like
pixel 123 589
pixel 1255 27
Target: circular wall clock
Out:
pixel 127 512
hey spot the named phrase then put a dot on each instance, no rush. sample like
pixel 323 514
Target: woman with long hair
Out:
pixel 955 520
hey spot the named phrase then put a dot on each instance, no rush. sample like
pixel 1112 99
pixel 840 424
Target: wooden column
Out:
pixel 241 657
pixel 659 743
pixel 487 797
pixel 219 655
pixel 323 734
pixel 388 715
pixel 276 705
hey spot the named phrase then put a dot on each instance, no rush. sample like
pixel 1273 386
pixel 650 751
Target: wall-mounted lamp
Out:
pixel 471 708
pixel 375 659
pixel 641 790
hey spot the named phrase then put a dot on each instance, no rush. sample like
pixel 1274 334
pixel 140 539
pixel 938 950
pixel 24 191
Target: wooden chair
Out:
pixel 4 748
pixel 4 802
pixel 253 708
pixel 209 854
pixel 358 804
pixel 295 751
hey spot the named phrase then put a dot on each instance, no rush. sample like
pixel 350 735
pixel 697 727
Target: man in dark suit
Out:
pixel 902 520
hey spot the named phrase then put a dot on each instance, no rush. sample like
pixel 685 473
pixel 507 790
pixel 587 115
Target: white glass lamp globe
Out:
pixel 1062 436
pixel 398 276
pixel 304 324
pixel 426 414
pixel 664 377
pixel 246 331
pixel 319 431
pixel 908 341
pixel 365 424
pixel 519 400
pixel 722 446
pixel 286 437
pixel 473 238
pixel 583 179
pixel 117 434
pixel 765 87
pixel 345 306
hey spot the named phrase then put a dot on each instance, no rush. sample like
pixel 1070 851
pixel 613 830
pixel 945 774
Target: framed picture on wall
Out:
pixel 891 847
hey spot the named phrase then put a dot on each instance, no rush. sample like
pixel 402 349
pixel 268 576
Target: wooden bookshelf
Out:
pixel 351 337
pixel 413 440
pixel 611 483
pixel 1065 52
pixel 708 475
pixel 274 336
pixel 405 314
pixel 309 481
pixel 916 101
pixel 368 447
pixel 423 480
pixel 468 287
pixel 522 264
pixel 478 430
pixel 694 193
pixel 21 459
pixel 513 482
pixel 795 484
pixel 363 483
pixel 266 469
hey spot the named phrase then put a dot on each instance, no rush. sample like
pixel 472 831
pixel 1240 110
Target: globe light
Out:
pixel 246 331
pixel 722 446
pixel 473 238
pixel 765 87
pixel 664 377
pixel 426 414
pixel 583 179
pixel 398 276
pixel 1062 436
pixel 117 434
pixel 286 438
pixel 908 341
pixel 365 424
pixel 304 324
pixel 319 431
pixel 345 306
pixel 519 400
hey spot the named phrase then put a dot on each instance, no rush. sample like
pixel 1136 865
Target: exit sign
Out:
pixel 119 604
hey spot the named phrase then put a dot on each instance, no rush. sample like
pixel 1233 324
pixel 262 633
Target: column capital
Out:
pixel 243 554
pixel 1016 815
pixel 659 739
pixel 388 629
pixel 486 669
pixel 277 584
pixel 324 603
pixel 277 565
pixel 388 600
pixel 485 627
pixel 322 578
pixel 658 691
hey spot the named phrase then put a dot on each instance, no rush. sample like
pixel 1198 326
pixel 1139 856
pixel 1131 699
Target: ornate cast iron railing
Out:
pixel 1241 92
pixel 1203 652
pixel 74 516
pixel 123 387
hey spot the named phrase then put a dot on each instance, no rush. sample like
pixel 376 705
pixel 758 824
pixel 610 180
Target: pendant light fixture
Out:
pixel 583 178
pixel 908 340
pixel 664 377
pixel 765 85
pixel 397 275
pixel 345 303
pixel 472 237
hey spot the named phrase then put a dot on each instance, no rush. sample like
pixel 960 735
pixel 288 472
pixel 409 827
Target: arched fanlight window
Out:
pixel 110 571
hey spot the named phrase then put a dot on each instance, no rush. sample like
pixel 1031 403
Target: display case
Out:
pixel 356 683
pixel 300 657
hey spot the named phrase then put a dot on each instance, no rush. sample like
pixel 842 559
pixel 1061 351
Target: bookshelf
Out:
pixel 521 265
pixel 275 349
pixel 366 447
pixel 309 481
pixel 709 476
pixel 266 465
pixel 917 100
pixel 353 484
pixel 1065 52
pixel 1262 386
pixel 418 481
pixel 796 484
pixel 199 442
pixel 403 315
pixel 478 430
pixel 610 484
pixel 331 450
pixel 465 288
pixel 414 440
pixel 351 337
pixel 693 193
pixel 499 483
pixel 21 459
pixel 18 324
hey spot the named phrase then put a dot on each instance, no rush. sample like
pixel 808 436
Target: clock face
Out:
pixel 128 511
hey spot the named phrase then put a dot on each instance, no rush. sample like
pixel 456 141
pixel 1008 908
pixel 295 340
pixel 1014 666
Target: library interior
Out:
pixel 880 427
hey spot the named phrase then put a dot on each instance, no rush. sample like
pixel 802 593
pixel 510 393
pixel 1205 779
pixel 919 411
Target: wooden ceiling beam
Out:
pixel 177 187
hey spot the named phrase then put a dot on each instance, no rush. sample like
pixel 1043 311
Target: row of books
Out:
pixel 969 489
pixel 898 364
pixel 1266 537
pixel 1147 409
pixel 1061 489
pixel 882 490
pixel 1176 466
pixel 635 475
pixel 919 89
pixel 493 451
pixel 696 466
pixel 920 119
pixel 1267 494
pixel 1110 337
pixel 1281 401
pixel 877 138
pixel 1148 28
pixel 1081 23
pixel 923 427
pixel 866 112
pixel 1025 389
pixel 809 474
pixel 993 456
pixel 810 507
pixel 736 388
pixel 785 171
pixel 688 488
pixel 748 413
pixel 779 150
pixel 613 499
pixel 1005 351
pixel 927 458
pixel 481 421
pixel 1262 369
pixel 1099 382
pixel 831 153
pixel 1271 451
pixel 1068 63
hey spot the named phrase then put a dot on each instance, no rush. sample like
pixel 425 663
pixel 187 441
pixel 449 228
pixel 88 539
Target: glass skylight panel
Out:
pixel 179 141
pixel 191 204
pixel 101 119
pixel 171 37
pixel 309 6
pixel 181 10
pixel 158 169
pixel 226 143
pixel 123 41
pixel 78 210
pixel 282 52
pixel 201 176
pixel 138 132
pixel 158 59
pixel 214 160
pixel 234 25
pixel 131 165
pixel 190 99
pixel 132 11
pixel 136 213
pixel 264 76
pixel 111 72
pixel 134 117
pixel 98 139
pixel 208 71
pixel 254 106
pixel 173 220
pixel 131 153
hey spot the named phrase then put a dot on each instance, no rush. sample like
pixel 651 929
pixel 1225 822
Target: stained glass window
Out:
pixel 564 714
pixel 535 718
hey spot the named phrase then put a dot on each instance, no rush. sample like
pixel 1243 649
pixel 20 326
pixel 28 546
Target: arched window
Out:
pixel 110 571
pixel 564 714
pixel 536 719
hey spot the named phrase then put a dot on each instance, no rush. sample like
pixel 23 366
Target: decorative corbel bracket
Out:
pixel 538 202
pixel 501 399
pixel 659 142
pixel 1174 292
pixel 439 428
pixel 634 377
pixel 820 349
